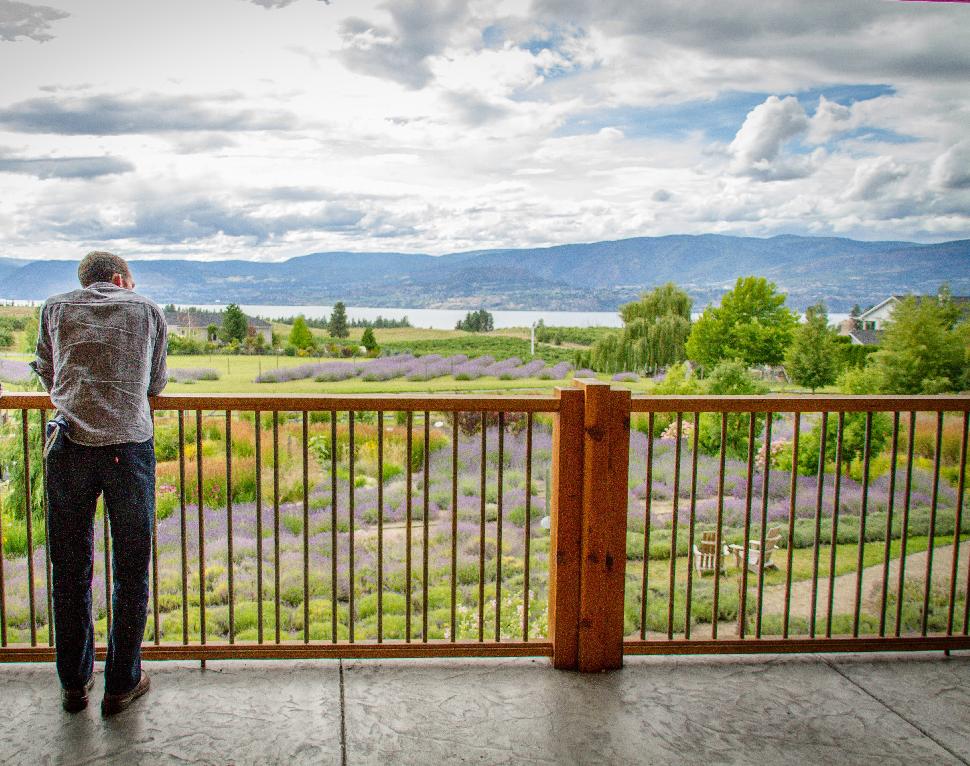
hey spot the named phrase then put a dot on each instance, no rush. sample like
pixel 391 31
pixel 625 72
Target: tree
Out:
pixel 811 358
pixel 337 327
pixel 368 340
pixel 234 324
pixel 654 335
pixel 212 332
pixel 476 321
pixel 300 335
pixel 752 324
pixel 730 378
pixel 921 350
pixel 29 341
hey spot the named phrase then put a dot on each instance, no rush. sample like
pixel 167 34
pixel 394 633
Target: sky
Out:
pixel 266 129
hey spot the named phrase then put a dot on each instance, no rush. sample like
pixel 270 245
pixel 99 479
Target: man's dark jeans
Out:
pixel 76 474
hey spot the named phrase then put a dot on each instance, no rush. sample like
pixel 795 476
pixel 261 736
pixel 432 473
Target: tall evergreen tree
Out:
pixel 337 326
pixel 811 358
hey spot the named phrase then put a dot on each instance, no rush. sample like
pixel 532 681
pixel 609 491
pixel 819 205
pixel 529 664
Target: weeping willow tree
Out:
pixel 654 335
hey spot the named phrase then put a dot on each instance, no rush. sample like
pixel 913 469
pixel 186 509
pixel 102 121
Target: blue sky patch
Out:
pixel 719 119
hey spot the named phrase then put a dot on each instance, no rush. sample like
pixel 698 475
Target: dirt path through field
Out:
pixel 844 592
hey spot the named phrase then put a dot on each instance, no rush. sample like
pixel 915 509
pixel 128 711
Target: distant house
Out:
pixel 194 323
pixel 866 329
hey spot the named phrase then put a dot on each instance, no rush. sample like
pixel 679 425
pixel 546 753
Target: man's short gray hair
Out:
pixel 100 266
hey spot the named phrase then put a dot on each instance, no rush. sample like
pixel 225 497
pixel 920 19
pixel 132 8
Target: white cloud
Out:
pixel 872 177
pixel 830 119
pixel 32 22
pixel 757 146
pixel 951 170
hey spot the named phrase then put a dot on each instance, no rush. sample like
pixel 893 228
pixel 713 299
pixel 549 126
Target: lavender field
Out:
pixel 349 553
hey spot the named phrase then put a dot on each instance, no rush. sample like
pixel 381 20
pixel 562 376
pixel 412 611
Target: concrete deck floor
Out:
pixel 839 709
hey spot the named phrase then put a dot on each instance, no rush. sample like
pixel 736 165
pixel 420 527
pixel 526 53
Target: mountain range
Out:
pixel 594 276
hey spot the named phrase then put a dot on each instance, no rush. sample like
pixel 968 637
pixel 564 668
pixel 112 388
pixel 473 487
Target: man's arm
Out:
pixel 159 374
pixel 43 363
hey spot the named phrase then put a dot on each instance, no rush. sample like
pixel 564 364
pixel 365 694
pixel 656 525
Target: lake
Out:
pixel 439 319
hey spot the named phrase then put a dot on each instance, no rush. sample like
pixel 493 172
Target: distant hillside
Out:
pixel 593 276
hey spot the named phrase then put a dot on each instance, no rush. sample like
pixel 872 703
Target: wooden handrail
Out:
pixel 320 402
pixel 801 403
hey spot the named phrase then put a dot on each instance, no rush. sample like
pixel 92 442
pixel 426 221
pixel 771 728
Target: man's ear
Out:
pixel 118 280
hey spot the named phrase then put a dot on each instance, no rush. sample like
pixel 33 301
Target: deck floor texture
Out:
pixel 811 709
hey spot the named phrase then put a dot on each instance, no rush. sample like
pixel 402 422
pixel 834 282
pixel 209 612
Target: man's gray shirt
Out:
pixel 101 354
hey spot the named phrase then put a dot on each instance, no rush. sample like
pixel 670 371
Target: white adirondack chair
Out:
pixel 754 556
pixel 707 558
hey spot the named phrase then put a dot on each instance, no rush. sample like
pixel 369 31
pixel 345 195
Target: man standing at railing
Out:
pixel 100 354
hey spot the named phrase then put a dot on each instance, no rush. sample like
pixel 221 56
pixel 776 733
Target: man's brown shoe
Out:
pixel 75 700
pixel 115 703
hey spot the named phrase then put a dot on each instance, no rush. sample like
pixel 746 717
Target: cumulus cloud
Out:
pixel 64 167
pixel 32 22
pixel 419 30
pixel 757 146
pixel 872 177
pixel 118 115
pixel 830 119
pixel 951 170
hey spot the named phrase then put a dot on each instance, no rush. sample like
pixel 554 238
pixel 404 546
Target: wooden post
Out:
pixel 606 456
pixel 566 529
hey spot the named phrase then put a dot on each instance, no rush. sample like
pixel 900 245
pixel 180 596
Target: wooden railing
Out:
pixel 410 526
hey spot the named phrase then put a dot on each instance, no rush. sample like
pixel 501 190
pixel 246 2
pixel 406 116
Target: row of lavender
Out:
pixel 422 368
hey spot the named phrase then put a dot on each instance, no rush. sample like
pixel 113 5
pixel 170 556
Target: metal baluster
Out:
pixel 746 534
pixel 407 528
pixel 957 525
pixel 672 579
pixel 380 527
pixel 454 527
pixel 306 527
pixel 28 505
pixel 229 546
pixel 498 529
pixel 481 543
pixel 528 526
pixel 424 527
pixel 691 531
pixel 333 526
pixel 259 526
pixel 931 543
pixel 905 523
pixel 199 488
pixel 718 540
pixel 183 527
pixel 764 523
pixel 835 523
pixel 276 522
pixel 860 560
pixel 819 491
pixel 793 491
pixel 894 455
pixel 350 509
pixel 645 572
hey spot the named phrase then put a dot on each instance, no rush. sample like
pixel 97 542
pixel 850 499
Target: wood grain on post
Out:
pixel 566 529
pixel 606 456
